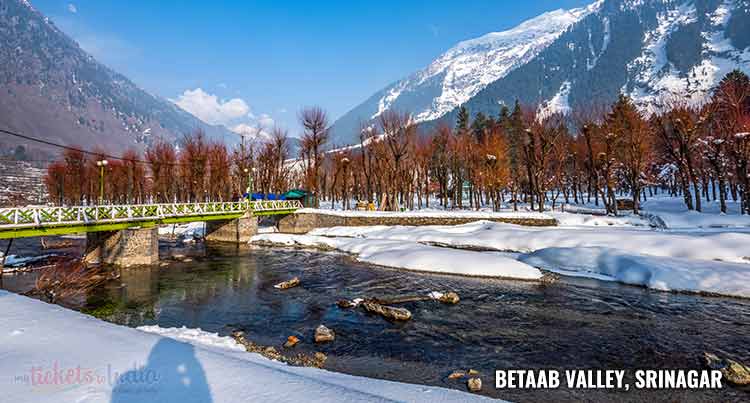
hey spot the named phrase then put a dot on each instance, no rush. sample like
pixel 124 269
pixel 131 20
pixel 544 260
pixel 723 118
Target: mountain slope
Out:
pixel 649 49
pixel 458 74
pixel 51 88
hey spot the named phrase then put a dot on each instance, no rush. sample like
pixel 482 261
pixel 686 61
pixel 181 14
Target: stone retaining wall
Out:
pixel 301 223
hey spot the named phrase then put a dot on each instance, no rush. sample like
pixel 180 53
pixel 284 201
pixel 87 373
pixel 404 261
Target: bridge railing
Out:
pixel 17 217
pixel 275 205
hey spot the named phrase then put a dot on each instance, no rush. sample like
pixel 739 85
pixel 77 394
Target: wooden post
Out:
pixel 5 256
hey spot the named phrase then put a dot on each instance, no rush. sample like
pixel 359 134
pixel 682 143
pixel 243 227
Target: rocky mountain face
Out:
pixel 652 50
pixel 50 88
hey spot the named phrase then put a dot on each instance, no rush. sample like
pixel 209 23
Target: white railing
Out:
pixel 20 217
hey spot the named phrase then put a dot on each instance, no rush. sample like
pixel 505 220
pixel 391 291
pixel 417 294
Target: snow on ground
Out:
pixel 557 104
pixel 660 273
pixel 188 231
pixel 52 354
pixel 194 336
pixel 12 261
pixel 726 246
pixel 413 256
pixel 569 219
pixel 479 215
pixel 675 215
pixel 714 262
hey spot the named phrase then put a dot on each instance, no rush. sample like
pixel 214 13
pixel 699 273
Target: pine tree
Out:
pixel 504 116
pixel 478 126
pixel 462 121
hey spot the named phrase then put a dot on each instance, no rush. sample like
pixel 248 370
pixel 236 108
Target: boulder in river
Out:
pixel 288 284
pixel 457 375
pixel 474 384
pixel 324 334
pixel 449 298
pixel 320 357
pixel 345 304
pixel 387 312
pixel 732 371
pixel 291 341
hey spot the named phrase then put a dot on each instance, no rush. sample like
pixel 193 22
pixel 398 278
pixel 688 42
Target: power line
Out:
pixel 92 153
pixel 96 154
pixel 49 143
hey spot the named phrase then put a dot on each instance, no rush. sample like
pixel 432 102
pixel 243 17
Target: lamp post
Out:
pixel 101 164
pixel 249 189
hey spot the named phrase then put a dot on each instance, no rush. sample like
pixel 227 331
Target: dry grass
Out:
pixel 68 280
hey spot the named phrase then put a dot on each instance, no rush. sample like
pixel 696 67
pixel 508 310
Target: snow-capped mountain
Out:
pixel 563 60
pixel 468 67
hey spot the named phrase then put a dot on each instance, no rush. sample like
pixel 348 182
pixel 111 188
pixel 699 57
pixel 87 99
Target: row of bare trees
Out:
pixel 520 156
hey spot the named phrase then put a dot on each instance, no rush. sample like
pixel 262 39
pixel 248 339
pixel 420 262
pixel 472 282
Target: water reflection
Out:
pixel 576 323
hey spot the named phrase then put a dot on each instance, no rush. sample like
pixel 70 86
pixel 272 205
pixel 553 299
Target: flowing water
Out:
pixel 499 324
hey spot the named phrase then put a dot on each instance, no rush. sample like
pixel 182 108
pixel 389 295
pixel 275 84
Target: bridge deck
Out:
pixel 19 222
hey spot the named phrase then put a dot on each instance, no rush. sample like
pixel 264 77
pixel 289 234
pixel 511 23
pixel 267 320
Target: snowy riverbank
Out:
pixel 52 354
pixel 411 255
pixel 710 262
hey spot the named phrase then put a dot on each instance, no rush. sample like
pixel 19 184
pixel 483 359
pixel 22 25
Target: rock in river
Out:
pixel 474 384
pixel 320 357
pixel 387 312
pixel 457 375
pixel 288 284
pixel 291 341
pixel 323 334
pixel 731 370
pixel 449 298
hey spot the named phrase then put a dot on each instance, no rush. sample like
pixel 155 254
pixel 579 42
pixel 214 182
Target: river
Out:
pixel 499 324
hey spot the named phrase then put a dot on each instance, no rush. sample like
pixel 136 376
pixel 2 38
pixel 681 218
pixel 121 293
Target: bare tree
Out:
pixel 315 123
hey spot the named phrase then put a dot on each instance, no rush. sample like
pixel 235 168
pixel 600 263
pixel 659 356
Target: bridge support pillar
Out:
pixel 239 230
pixel 128 247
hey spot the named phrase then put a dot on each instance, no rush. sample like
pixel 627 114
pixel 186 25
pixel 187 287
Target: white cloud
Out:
pixel 210 109
pixel 252 131
pixel 266 120
pixel 72 8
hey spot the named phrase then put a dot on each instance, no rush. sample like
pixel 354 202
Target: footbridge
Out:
pixel 120 234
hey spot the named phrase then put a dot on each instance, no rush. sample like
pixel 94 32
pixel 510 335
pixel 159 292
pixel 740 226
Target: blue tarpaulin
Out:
pixel 266 196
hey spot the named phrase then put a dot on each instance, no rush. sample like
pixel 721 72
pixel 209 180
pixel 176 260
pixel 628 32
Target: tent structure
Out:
pixel 307 198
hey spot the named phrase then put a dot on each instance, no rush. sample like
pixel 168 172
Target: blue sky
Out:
pixel 261 61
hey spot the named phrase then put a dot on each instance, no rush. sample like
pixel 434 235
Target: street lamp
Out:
pixel 249 189
pixel 101 164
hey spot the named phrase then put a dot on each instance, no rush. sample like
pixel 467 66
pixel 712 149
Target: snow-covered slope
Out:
pixel 458 74
pixel 655 77
pixel 468 67
pixel 52 354
pixel 652 50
